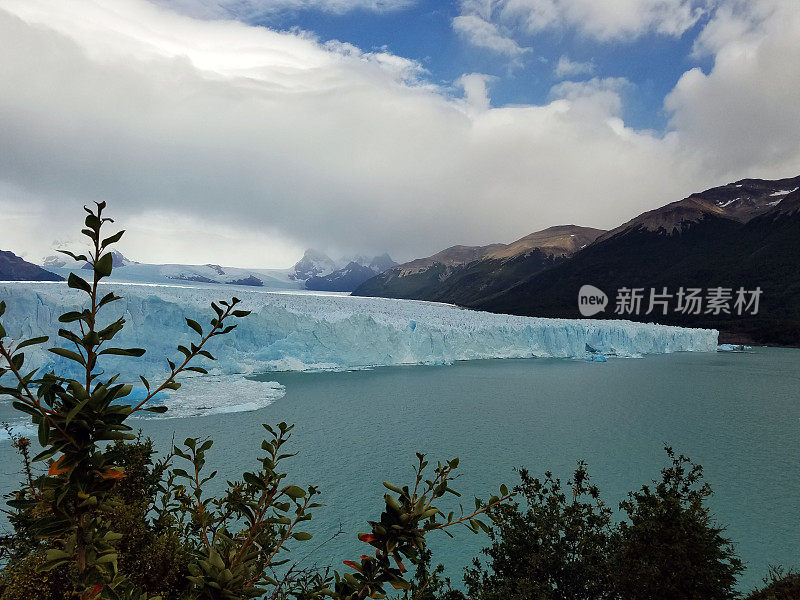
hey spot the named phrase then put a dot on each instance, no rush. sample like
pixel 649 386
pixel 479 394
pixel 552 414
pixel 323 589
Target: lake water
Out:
pixel 736 414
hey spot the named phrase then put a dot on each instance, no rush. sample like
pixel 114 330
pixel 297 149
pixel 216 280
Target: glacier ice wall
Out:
pixel 290 331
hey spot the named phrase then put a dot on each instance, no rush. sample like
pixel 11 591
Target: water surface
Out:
pixel 736 414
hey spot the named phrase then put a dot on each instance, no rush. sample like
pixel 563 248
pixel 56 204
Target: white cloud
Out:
pixel 607 20
pixel 570 68
pixel 485 34
pixel 603 96
pixel 476 92
pixel 498 24
pixel 215 141
pixel 744 114
pixel 252 9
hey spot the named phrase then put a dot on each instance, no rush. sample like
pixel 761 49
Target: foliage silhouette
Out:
pixel 106 521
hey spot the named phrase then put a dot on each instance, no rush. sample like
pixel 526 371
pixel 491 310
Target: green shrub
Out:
pixel 23 580
pixel 564 546
pixel 669 548
pixel 778 585
pixel 557 548
pixel 106 522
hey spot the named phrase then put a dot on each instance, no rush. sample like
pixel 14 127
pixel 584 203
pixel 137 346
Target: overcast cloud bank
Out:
pixel 217 141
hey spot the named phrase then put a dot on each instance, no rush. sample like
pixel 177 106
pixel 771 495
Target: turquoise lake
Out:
pixel 736 414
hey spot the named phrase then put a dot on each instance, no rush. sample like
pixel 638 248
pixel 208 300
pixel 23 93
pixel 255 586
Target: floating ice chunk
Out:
pixel 212 395
pixel 733 348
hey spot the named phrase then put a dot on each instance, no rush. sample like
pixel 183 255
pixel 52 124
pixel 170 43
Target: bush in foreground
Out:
pixel 564 545
pixel 105 521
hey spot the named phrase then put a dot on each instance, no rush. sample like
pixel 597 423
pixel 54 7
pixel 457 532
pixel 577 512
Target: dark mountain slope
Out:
pixel 14 268
pixel 463 274
pixel 701 249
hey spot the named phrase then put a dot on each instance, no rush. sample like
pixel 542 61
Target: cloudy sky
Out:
pixel 240 132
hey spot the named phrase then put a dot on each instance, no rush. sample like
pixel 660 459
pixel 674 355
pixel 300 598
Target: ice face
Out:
pixel 289 331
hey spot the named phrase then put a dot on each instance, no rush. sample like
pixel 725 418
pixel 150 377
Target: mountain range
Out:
pixel 736 238
pixel 744 235
pixel 465 274
pixel 314 271
pixel 320 272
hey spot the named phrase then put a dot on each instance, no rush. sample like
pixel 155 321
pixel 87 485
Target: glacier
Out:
pixel 290 331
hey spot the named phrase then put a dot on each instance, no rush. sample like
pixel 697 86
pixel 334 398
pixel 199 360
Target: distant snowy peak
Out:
pixel 313 264
pixel 789 204
pixel 380 263
pixel 60 261
pixel 358 270
pixel 749 198
pixel 118 260
pixel 740 201
pixel 320 272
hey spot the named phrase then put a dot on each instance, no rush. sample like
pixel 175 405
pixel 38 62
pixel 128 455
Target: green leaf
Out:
pixel 123 391
pixel 112 239
pixel 45 454
pixel 194 325
pixel 76 409
pixel 107 558
pixel 44 432
pixel 21 406
pixel 69 354
pixel 302 536
pixel 77 257
pixel 156 409
pixel 92 221
pixel 2 331
pixel 254 480
pixel 294 491
pixel 69 317
pixel 32 341
pixel 110 297
pixel 145 382
pixel 124 351
pixel 53 558
pixel 392 487
pixel 2 308
pixel 78 283
pixel 69 335
pixel 240 313
pixel 104 265
pixel 215 559
pixel 197 370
